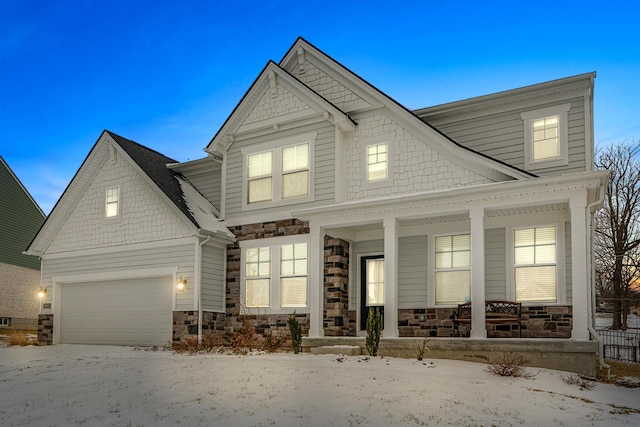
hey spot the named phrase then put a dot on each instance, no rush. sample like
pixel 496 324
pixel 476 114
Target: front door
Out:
pixel 371 286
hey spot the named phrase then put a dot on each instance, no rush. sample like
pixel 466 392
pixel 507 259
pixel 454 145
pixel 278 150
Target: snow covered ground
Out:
pixel 69 385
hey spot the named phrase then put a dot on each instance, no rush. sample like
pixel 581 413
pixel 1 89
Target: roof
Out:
pixel 173 184
pixel 20 219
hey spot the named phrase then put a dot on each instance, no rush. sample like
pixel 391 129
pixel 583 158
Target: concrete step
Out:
pixel 346 350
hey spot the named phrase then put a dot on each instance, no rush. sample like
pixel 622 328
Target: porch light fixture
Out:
pixel 42 293
pixel 181 284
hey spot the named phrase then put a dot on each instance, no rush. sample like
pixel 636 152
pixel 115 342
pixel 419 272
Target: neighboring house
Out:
pixel 20 219
pixel 323 195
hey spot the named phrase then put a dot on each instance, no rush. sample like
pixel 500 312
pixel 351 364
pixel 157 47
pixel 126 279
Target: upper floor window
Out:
pixel 278 172
pixel 377 162
pixel 453 268
pixel 535 264
pixel 112 202
pixel 546 137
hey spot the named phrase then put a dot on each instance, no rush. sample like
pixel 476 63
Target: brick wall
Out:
pixel 45 329
pixel 336 319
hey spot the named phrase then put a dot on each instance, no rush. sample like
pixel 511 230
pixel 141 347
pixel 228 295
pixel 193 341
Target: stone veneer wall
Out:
pixel 537 322
pixel 337 321
pixel 45 329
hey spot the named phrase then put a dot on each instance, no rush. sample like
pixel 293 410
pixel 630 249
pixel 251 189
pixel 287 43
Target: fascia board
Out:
pixel 595 181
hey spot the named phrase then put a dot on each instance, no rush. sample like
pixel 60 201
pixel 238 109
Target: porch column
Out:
pixel 390 278
pixel 478 325
pixel 579 266
pixel 316 280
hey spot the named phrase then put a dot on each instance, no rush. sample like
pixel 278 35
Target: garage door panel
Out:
pixel 124 312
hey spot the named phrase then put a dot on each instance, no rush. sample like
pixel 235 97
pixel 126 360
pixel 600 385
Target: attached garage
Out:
pixel 119 312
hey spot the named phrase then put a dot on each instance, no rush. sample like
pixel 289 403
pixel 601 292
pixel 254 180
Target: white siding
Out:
pixel 213 286
pixel 179 256
pixel 412 272
pixel 415 166
pixel 207 182
pixel 144 215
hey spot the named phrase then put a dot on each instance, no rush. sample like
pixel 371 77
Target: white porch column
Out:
pixel 316 280
pixel 478 325
pixel 579 267
pixel 390 278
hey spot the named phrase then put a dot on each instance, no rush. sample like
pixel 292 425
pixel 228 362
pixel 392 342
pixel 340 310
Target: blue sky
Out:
pixel 167 74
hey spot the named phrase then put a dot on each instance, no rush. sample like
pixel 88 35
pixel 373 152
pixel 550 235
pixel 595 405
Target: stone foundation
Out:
pixel 185 324
pixel 537 322
pixel 45 329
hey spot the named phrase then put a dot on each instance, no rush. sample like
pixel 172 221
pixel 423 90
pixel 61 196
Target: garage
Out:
pixel 123 312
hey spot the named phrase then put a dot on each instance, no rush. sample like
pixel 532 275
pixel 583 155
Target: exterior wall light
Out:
pixel 42 293
pixel 181 285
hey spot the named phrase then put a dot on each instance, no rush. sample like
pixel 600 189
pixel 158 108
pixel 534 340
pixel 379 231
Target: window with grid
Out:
pixel 546 144
pixel 293 275
pixel 295 171
pixel 377 162
pixel 453 268
pixel 257 276
pixel 259 177
pixel 535 264
pixel 112 202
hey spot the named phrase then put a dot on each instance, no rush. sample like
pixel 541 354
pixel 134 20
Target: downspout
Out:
pixel 592 294
pixel 200 291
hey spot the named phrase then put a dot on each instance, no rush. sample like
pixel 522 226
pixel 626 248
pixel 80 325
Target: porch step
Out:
pixel 346 350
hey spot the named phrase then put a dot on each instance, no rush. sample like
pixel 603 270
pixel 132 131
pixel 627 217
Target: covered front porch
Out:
pixel 406 233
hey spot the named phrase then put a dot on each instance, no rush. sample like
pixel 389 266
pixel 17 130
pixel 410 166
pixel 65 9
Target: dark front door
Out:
pixel 371 286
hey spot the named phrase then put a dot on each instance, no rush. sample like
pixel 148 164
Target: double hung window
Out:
pixel 535 264
pixel 452 269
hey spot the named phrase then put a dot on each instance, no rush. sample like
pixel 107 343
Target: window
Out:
pixel 453 268
pixel 546 137
pixel 535 265
pixel 5 321
pixel 375 282
pixel 377 162
pixel 278 174
pixel 258 276
pixel 259 176
pixel 112 202
pixel 293 275
pixel 275 273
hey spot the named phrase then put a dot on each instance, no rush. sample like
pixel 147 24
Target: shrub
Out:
pixel 584 383
pixel 210 342
pixel 509 365
pixel 19 338
pixel 374 330
pixel 296 332
pixel 243 340
pixel 272 342
pixel 422 349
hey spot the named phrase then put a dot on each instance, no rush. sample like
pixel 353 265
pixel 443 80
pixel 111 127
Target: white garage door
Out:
pixel 122 312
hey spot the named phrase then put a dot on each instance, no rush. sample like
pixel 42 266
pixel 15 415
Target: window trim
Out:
pixel 561 285
pixel 563 136
pixel 276 147
pixel 381 183
pixel 275 243
pixel 434 270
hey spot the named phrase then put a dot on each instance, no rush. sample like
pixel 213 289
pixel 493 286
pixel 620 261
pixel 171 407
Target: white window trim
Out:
pixel 119 215
pixel 563 136
pixel 561 282
pixel 274 292
pixel 431 265
pixel 276 147
pixel 382 183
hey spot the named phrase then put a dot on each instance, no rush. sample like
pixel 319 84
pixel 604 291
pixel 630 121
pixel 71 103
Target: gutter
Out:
pixel 591 295
pixel 200 291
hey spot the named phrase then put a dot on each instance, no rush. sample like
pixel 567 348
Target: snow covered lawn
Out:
pixel 68 385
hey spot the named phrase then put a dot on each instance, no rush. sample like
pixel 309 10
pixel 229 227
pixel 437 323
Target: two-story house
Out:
pixel 20 219
pixel 323 195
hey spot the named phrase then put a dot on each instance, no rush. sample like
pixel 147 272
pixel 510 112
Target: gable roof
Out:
pixel 443 142
pixel 20 219
pixel 192 207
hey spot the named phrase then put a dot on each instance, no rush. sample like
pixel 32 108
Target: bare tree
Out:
pixel 617 238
